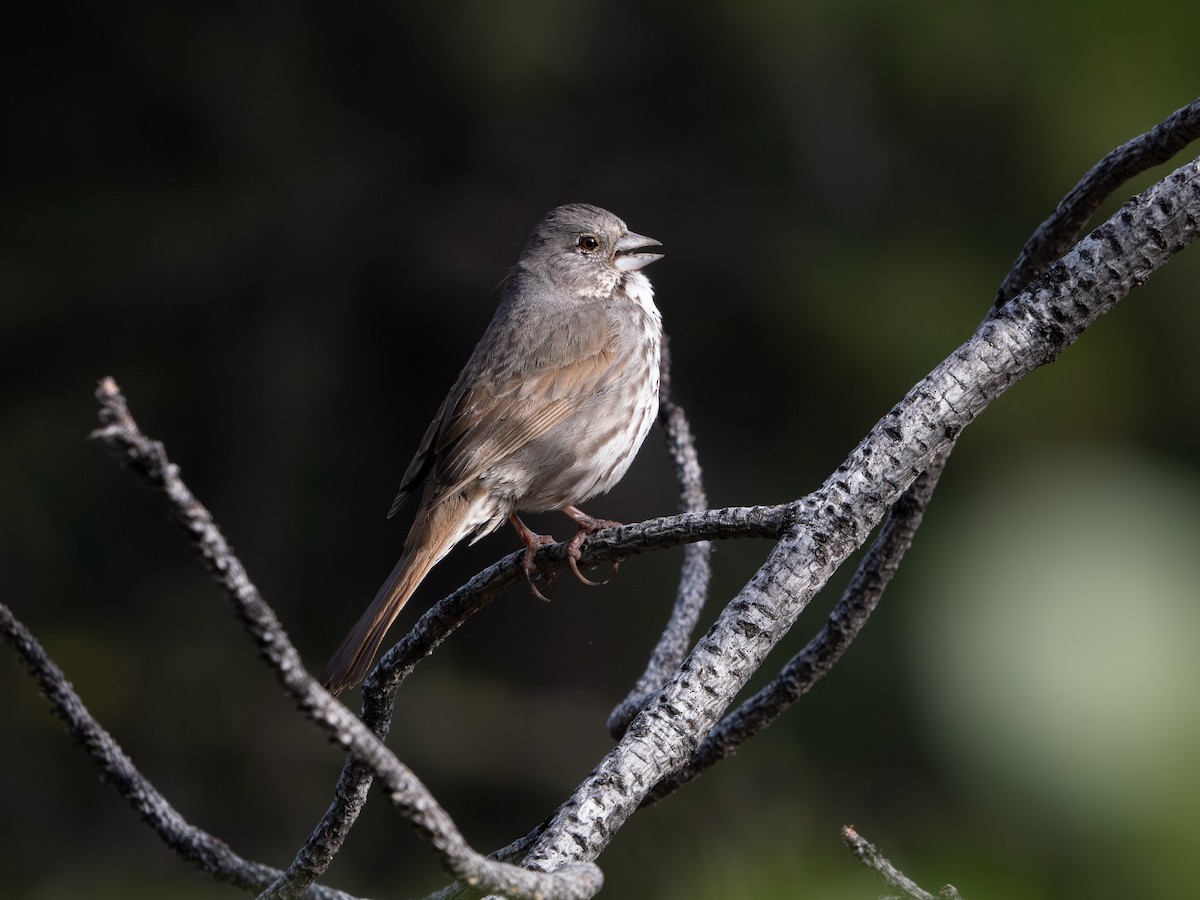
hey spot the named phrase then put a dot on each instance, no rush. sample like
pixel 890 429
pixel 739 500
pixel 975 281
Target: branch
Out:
pixel 847 619
pixel 148 459
pixel 689 600
pixel 815 535
pixel 447 615
pixel 198 847
pixel 850 614
pixel 441 620
pixel 1026 333
pixel 1061 229
pixel 869 856
pixel 812 663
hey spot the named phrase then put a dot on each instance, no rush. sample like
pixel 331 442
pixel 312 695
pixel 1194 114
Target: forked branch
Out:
pixel 671 725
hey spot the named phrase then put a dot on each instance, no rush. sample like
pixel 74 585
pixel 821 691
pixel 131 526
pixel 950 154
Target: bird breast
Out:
pixel 589 451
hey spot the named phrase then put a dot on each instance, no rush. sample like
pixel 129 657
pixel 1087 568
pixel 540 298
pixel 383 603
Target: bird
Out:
pixel 548 412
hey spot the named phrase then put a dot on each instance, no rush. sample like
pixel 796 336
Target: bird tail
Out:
pixel 429 540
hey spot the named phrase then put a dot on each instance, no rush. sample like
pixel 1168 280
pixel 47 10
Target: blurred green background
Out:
pixel 280 226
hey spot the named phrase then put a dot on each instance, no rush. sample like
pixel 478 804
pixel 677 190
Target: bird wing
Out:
pixel 494 420
pixel 422 459
pixel 536 382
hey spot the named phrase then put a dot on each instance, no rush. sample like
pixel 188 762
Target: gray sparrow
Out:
pixel 548 412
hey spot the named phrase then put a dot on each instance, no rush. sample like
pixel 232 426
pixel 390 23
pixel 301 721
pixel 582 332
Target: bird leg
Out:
pixel 587 525
pixel 532 541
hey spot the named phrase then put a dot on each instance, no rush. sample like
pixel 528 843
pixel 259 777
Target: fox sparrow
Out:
pixel 549 410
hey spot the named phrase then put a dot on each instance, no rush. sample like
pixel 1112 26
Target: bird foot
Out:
pixel 532 541
pixel 587 525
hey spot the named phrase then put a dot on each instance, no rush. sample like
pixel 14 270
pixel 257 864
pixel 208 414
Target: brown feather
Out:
pixel 548 411
pixel 493 421
pixel 444 525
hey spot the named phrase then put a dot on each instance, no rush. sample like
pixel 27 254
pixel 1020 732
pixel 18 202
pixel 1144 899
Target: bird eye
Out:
pixel 588 243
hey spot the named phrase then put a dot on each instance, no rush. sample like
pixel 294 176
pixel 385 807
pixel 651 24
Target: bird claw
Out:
pixel 587 525
pixel 532 541
pixel 573 562
pixel 533 588
pixel 529 567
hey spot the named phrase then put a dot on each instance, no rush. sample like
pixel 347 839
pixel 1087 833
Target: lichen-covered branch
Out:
pixel 1029 331
pixel 670 725
pixel 1061 229
pixel 818 657
pixel 1055 234
pixel 447 615
pixel 148 459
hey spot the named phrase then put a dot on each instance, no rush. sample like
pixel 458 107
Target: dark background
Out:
pixel 280 228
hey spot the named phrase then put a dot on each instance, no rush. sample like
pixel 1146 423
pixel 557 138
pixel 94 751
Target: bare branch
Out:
pixel 690 597
pixel 869 856
pixel 821 653
pixel 1059 231
pixel 815 535
pixel 444 618
pixel 1026 333
pixel 1062 228
pixel 148 459
pixel 611 544
pixel 194 845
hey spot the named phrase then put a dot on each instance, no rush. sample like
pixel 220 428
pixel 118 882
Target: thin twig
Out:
pixel 695 575
pixel 1063 227
pixel 868 854
pixel 193 844
pixel 831 523
pixel 148 459
pixel 445 617
pixel 1060 230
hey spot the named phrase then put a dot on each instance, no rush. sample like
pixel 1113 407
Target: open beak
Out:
pixel 632 253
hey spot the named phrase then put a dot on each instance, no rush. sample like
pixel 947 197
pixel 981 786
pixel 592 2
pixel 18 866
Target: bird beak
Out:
pixel 631 254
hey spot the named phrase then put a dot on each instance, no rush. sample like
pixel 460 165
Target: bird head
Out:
pixel 586 250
